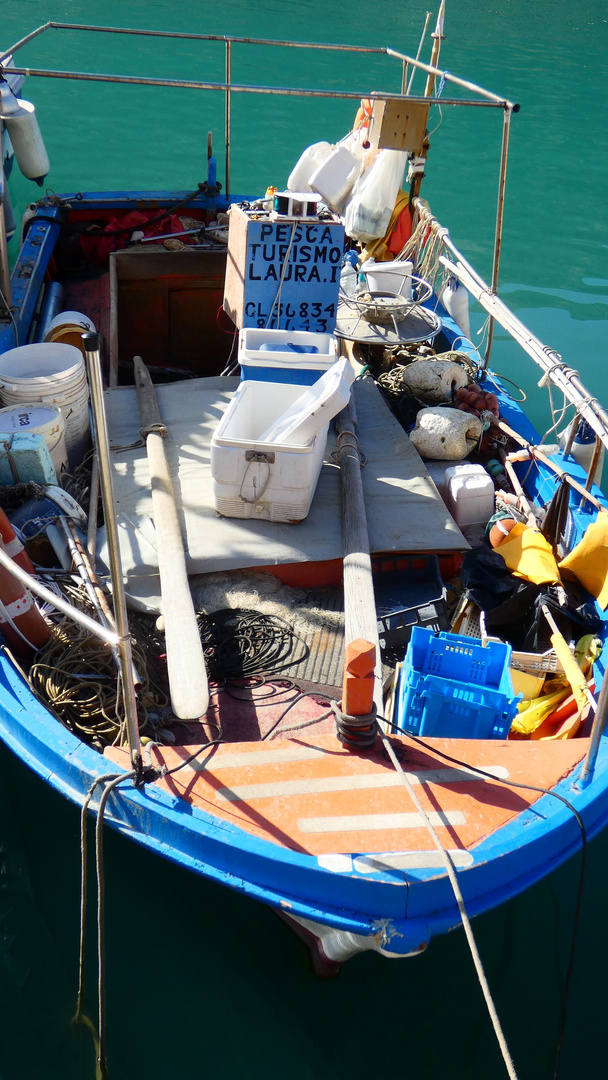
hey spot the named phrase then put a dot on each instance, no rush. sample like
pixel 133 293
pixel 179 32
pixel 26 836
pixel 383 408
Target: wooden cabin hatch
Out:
pixel 164 307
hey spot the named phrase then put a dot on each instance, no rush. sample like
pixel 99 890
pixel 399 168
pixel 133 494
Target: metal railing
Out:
pixel 484 99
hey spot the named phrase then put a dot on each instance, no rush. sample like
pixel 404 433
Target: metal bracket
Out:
pixel 256 455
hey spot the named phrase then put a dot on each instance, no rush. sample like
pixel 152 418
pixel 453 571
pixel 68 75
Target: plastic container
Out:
pixel 53 374
pixel 389 277
pixel 469 494
pixel 35 419
pixel 410 596
pixel 453 687
pixel 312 410
pixel 67 327
pixel 310 159
pixel 335 176
pixel 256 479
pixel 290 356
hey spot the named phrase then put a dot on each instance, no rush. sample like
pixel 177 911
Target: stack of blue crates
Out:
pixel 454 687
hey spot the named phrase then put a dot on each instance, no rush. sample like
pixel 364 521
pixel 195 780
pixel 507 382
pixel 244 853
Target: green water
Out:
pixel 202 982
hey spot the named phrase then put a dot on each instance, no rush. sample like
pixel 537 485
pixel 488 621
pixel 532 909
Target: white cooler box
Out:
pixel 268 481
pixel 285 356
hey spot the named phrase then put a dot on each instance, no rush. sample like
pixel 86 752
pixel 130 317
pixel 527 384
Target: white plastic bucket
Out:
pixel 53 374
pixel 389 277
pixel 67 328
pixel 36 419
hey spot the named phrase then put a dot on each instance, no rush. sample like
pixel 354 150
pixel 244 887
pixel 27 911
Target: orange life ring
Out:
pixel 364 114
pixel 20 621
pixel 13 545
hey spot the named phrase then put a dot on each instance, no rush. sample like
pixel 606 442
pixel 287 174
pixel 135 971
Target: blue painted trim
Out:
pixel 401 909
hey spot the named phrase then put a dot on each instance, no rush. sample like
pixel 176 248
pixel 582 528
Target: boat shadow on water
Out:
pixel 188 962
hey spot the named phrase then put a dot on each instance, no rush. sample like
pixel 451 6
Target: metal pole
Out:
pixel 228 106
pixel 103 633
pixel 91 346
pixel 5 276
pixel 502 181
pixel 599 724
pixel 245 88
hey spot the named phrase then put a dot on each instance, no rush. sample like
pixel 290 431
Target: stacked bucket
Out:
pixel 54 374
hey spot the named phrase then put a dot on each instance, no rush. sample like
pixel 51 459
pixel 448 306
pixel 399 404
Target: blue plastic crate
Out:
pixel 453 686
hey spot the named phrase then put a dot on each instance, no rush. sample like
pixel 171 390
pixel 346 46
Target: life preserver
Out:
pixel 20 621
pixel 13 545
pixel 364 114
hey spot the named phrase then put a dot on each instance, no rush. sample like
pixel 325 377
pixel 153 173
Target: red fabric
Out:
pixel 402 232
pixel 98 244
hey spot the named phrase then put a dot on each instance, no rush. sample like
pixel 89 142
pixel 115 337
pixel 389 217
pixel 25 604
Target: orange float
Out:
pixel 13 545
pixel 20 621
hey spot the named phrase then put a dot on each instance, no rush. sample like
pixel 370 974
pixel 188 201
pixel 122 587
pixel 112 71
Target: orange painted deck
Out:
pixel 308 793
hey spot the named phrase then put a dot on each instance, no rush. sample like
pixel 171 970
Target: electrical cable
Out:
pixel 312 694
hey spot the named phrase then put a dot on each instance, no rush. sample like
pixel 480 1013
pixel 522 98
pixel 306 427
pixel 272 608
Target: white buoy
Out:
pixel 22 126
pixel 455 300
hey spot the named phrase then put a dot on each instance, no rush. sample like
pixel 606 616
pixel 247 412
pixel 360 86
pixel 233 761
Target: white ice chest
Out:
pixel 267 481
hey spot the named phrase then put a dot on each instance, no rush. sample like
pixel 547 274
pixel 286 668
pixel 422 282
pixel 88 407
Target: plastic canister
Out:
pixel 36 419
pixel 389 277
pixel 470 494
pixel 306 165
pixel 335 176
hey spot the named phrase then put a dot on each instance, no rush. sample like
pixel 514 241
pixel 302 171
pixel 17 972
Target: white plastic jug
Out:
pixel 307 163
pixel 334 178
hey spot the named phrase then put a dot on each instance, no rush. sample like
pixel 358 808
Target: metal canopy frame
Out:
pixel 484 99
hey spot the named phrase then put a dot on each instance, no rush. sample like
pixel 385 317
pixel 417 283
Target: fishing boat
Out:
pixel 335 636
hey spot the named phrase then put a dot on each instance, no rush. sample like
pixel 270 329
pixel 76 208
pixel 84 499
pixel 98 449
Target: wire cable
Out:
pixel 577 914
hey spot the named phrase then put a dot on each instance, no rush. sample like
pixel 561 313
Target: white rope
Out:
pixel 451 872
pixel 277 300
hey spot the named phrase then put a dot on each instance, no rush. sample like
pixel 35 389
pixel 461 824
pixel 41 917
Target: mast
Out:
pixel 438 37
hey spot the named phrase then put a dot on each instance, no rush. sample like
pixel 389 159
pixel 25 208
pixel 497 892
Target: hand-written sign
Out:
pixel 283 273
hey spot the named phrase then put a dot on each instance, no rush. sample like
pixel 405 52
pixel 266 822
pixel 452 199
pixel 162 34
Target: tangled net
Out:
pixel 77 676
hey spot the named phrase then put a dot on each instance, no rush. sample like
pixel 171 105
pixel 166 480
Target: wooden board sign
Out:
pixel 283 273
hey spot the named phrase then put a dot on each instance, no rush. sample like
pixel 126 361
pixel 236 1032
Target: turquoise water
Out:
pixel 202 982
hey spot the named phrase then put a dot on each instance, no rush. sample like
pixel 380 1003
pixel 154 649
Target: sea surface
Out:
pixel 202 982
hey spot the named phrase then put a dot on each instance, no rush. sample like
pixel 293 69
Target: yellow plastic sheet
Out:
pixel 528 555
pixel 530 714
pixel 572 671
pixel 588 561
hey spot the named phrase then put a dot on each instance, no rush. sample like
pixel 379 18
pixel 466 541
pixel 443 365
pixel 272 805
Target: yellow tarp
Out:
pixel 528 555
pixel 588 561
pixel 530 714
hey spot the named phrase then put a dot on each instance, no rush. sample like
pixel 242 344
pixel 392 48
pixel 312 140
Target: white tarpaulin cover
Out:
pixel 404 509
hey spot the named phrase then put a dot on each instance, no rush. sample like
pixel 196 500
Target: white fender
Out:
pixel 455 300
pixel 24 133
pixel 9 214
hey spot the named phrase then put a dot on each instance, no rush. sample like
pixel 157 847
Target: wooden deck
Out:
pixel 308 793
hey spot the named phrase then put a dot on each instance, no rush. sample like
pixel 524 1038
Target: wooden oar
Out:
pixel 362 686
pixel 185 659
